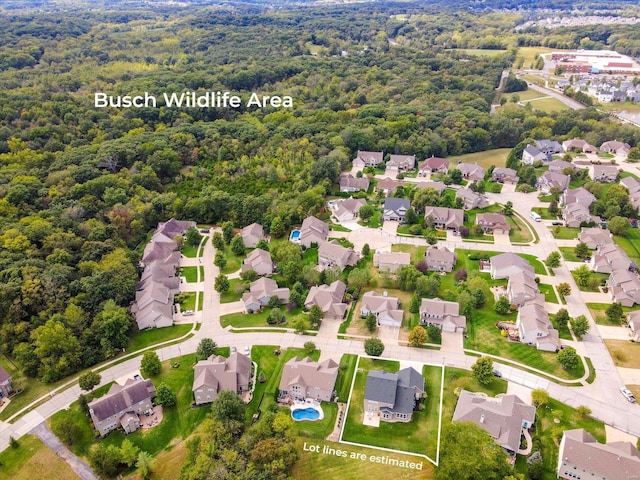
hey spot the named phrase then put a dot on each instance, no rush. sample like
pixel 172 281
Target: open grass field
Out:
pixel 310 464
pixel 418 436
pixel 624 353
pixel 497 157
pixel 33 460
pixel 597 311
pixel 178 423
pixel 484 336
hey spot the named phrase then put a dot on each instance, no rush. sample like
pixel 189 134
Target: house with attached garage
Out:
pixel 534 327
pixel 445 218
pixel 329 298
pixel 471 171
pixel 217 374
pixel 504 418
pixel 471 199
pixel 393 397
pixel 346 210
pixel 505 175
pixel 304 378
pixel 348 183
pixel 385 308
pixel 391 261
pixel 395 209
pixel 259 261
pixel 444 315
pixel 440 259
pixel 332 254
pixel 604 173
pixel 252 234
pixel 401 163
pixel 506 264
pixel 531 154
pixel 368 159
pixel 433 165
pixel 582 457
pixel 261 291
pixel 121 406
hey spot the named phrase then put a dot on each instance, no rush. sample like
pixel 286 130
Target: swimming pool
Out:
pixel 311 412
pixel 295 236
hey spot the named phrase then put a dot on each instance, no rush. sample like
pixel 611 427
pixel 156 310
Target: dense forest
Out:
pixel 81 187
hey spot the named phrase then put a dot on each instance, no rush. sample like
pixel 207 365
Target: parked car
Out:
pixel 627 394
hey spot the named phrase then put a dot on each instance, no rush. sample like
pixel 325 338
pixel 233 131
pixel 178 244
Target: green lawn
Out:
pixel 600 317
pixel 345 375
pixel 33 460
pixel 418 436
pixel 237 287
pixel 178 422
pixel 190 274
pixel 549 293
pixel 484 336
pixel 497 157
pixel 630 244
pixel 569 254
pixel 565 233
pixel 156 335
pixel 259 319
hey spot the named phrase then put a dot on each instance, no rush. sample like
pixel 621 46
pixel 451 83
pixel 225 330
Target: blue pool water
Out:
pixel 295 235
pixel 305 414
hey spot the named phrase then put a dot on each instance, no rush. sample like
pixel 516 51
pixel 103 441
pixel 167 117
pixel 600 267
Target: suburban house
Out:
pixel 595 237
pixel 604 173
pixel 471 171
pixel 445 218
pixel 559 166
pixel 433 165
pixel 251 235
pixel 633 320
pixel 615 147
pixel 349 183
pixel 5 383
pixel 346 210
pixel 121 406
pixel 549 180
pixel 624 287
pixel 531 154
pixel 493 223
pixel 387 186
pixel 303 378
pixel 632 184
pixel 505 175
pixel 368 159
pixel 261 291
pixel 401 163
pixel 440 259
pixel 437 186
pixel 442 314
pixel 329 298
pixel 521 288
pixel 506 264
pixel 578 195
pixel 471 199
pixel 578 145
pixel 503 418
pixel 534 327
pixel 608 258
pixel 386 309
pixel 332 254
pixel 217 374
pixel 153 306
pixel 313 231
pixel 581 456
pixel 393 396
pixel 395 209
pixel 391 262
pixel 259 261
pixel 549 147
pixel 575 214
